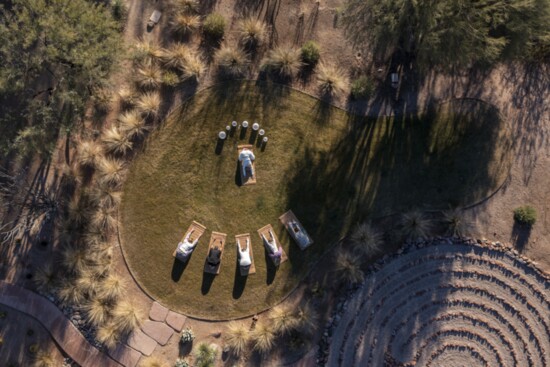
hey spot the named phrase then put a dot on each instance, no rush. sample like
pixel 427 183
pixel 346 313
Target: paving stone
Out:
pixel 175 320
pixel 158 331
pixel 142 342
pixel 158 312
pixel 125 355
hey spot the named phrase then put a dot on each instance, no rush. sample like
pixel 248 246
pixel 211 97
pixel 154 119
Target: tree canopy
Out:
pixel 449 33
pixel 64 48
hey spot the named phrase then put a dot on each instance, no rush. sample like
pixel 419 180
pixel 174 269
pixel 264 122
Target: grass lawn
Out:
pixel 332 169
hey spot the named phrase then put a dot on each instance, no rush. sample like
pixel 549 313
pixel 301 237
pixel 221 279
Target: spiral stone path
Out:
pixel 447 302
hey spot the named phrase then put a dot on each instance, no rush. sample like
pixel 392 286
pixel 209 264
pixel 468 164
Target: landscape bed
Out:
pixel 332 169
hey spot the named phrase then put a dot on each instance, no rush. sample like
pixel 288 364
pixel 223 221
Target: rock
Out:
pixel 175 320
pixel 158 331
pixel 158 312
pixel 142 342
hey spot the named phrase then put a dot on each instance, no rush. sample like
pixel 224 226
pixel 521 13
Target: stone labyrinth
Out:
pixel 445 303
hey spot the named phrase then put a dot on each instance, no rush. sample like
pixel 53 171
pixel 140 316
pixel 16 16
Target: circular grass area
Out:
pixel 332 169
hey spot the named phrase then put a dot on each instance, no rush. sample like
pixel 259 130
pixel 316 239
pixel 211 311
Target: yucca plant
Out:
pixel 187 6
pixel 285 61
pixel 108 335
pixel 331 80
pixel 149 75
pixel 115 141
pixel 231 61
pixel 348 268
pixel 111 171
pixel 185 23
pixel 194 67
pixel 97 311
pixel 149 104
pixel 89 152
pixel 237 337
pixel 366 240
pixel 283 319
pixel 205 356
pixel 252 32
pixel 415 225
pixel 263 337
pixel 105 219
pixel 46 277
pixel 105 196
pixel 456 223
pixel 176 56
pixel 126 317
pixel 152 361
pixel 113 287
pixel 43 359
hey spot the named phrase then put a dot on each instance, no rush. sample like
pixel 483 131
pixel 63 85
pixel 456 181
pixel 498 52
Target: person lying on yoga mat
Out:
pixel 273 250
pixel 246 157
pixel 244 255
pixel 214 256
pixel 186 246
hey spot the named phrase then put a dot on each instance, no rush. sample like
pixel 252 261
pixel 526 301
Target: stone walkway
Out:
pixel 162 325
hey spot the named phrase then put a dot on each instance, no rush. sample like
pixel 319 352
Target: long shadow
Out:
pixel 520 236
pixel 270 267
pixel 207 280
pixel 240 282
pixel 178 268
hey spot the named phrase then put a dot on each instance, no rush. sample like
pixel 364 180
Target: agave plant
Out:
pixel 263 337
pixel 252 32
pixel 237 337
pixel 116 142
pixel 231 61
pixel 332 81
pixel 366 240
pixel 285 61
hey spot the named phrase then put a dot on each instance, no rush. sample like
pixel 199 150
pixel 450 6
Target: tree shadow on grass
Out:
pixel 520 236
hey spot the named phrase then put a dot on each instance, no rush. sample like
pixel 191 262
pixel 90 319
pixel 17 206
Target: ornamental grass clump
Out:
pixel 176 56
pixel 149 75
pixel 331 80
pixel 284 61
pixel 366 240
pixel 283 319
pixel 108 335
pixel 152 361
pixel 237 337
pixel 263 338
pixel 97 311
pixel 456 223
pixel 310 53
pixel 111 171
pixel 214 27
pixel 194 68
pixel 116 142
pixel 415 225
pixel 105 219
pixel 231 61
pixel 46 277
pixel 126 317
pixel 187 6
pixel 132 124
pixel 252 32
pixel 348 268
pixel 184 24
pixel 149 104
pixel 106 197
pixel 89 153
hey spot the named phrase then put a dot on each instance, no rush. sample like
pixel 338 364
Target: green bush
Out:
pixel 205 356
pixel 118 10
pixel 526 215
pixel 363 87
pixel 214 26
pixel 310 53
pixel 170 78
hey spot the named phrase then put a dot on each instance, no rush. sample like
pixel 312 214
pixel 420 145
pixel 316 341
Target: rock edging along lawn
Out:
pixel 65 334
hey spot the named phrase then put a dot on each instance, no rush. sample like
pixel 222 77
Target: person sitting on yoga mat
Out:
pixel 244 255
pixel 186 247
pixel 246 157
pixel 214 256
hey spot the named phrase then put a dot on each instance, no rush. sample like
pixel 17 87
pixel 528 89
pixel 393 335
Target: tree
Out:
pixel 57 52
pixel 452 33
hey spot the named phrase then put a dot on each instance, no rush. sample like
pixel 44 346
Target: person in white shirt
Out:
pixel 244 255
pixel 186 247
pixel 246 157
pixel 274 252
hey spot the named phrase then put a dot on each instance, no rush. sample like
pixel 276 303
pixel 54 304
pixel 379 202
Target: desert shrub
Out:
pixel 283 319
pixel 187 336
pixel 366 240
pixel 205 356
pixel 132 124
pixel 73 258
pixel 263 338
pixel 144 51
pixel 310 53
pixel 214 26
pixel 283 60
pixel 115 141
pixel 108 335
pixel 46 277
pixel 181 363
pixel 237 337
pixel 110 171
pixel 126 317
pixel 149 75
pixel 170 79
pixel 105 219
pixel 231 61
pixel 176 56
pixel 97 311
pixel 118 9
pixel 78 211
pixel 455 222
pixel 149 104
pixel 187 6
pixel 362 87
pixel 525 215
pixel 252 32
pixel 415 225
pixel 348 268
pixel 88 153
pixel 113 287
pixel 306 318
pixel 70 294
pixel 102 98
pixel 184 23
pixel 194 68
pixel 126 96
pixel 106 197
pixel 332 81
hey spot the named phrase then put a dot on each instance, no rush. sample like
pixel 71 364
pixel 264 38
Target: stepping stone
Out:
pixel 126 356
pixel 142 342
pixel 158 312
pixel 175 320
pixel 158 331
